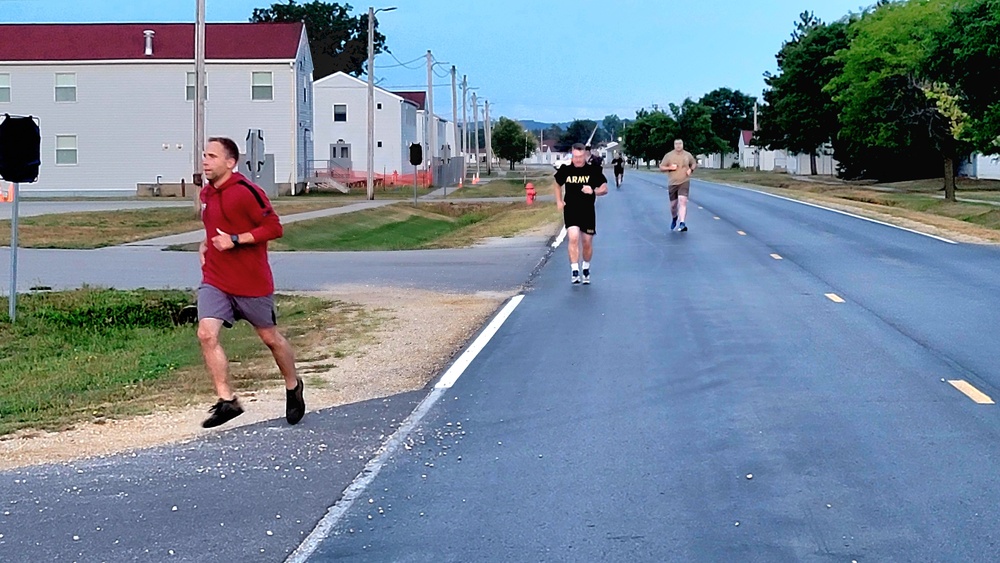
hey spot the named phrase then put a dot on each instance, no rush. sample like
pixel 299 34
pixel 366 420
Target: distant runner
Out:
pixel 679 165
pixel 619 164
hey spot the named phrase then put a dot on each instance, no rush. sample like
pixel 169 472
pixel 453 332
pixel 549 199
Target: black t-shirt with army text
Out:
pixel 574 179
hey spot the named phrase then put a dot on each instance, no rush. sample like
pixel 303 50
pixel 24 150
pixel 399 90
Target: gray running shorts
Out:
pixel 213 303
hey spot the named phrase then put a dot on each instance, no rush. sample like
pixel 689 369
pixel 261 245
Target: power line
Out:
pixel 402 64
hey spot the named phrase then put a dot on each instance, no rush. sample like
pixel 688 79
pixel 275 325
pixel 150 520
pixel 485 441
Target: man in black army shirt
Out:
pixel 583 182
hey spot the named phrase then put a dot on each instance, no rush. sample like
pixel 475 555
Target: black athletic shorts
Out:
pixel 619 171
pixel 581 215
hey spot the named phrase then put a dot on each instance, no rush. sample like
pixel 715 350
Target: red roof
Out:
pixel 125 41
pixel 747 137
pixel 419 98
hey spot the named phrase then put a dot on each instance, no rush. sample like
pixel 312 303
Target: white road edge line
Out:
pixel 870 220
pixel 559 239
pixel 374 466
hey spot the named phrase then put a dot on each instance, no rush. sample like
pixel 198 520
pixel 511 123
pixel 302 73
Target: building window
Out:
pixel 66 149
pixel 378 106
pixel 340 112
pixel 189 87
pixel 65 87
pixel 380 144
pixel 262 88
pixel 4 88
pixel 345 152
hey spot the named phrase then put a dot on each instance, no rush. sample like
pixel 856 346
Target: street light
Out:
pixel 371 98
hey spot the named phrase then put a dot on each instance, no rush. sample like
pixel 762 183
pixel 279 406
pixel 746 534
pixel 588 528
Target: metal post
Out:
pixel 465 126
pixel 475 125
pixel 488 132
pixel 199 100
pixel 454 104
pixel 370 181
pixel 415 168
pixel 12 302
pixel 431 122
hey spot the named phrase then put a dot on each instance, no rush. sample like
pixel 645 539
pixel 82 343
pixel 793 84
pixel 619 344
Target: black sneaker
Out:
pixel 295 404
pixel 681 227
pixel 222 412
pixel 673 224
pixel 576 277
pixel 586 276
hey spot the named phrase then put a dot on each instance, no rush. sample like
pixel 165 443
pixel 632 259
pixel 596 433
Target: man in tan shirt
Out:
pixel 679 165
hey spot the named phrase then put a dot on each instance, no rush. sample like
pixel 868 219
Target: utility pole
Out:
pixel 475 125
pixel 488 130
pixel 454 107
pixel 199 102
pixel 465 115
pixel 431 122
pixel 370 175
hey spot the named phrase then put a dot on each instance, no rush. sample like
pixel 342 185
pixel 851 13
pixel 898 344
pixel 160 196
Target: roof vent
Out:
pixel 148 34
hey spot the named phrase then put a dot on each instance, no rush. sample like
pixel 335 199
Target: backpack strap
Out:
pixel 249 186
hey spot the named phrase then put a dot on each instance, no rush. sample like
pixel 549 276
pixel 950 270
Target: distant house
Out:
pixel 981 166
pixel 446 146
pixel 115 101
pixel 341 110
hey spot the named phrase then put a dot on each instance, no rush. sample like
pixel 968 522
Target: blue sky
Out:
pixel 536 59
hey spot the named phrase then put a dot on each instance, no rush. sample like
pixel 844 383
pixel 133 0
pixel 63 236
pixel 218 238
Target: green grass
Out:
pixel 94 354
pixel 513 187
pixel 396 227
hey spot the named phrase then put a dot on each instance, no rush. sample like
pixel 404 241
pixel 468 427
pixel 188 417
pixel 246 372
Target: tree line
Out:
pixel 904 89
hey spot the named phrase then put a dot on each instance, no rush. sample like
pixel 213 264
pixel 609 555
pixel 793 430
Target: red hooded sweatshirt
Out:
pixel 235 207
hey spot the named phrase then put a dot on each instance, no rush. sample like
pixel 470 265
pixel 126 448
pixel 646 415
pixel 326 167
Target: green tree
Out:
pixel 511 142
pixel 732 113
pixel 579 131
pixel 799 115
pixel 650 136
pixel 888 97
pixel 694 127
pixel 966 59
pixel 612 125
pixel 337 41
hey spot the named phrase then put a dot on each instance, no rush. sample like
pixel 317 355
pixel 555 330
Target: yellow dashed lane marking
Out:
pixel 777 257
pixel 971 392
pixel 835 298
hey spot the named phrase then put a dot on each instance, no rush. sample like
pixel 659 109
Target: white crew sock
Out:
pixel 575 266
pixel 586 265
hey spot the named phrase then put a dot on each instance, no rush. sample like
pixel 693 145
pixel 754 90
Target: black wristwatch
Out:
pixel 235 239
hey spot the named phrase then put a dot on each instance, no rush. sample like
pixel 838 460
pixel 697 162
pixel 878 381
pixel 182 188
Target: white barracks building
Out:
pixel 115 101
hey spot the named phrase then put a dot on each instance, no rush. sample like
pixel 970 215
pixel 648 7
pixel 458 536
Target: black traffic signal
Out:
pixel 20 149
pixel 416 154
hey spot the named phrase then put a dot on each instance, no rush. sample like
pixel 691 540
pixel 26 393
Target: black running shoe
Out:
pixel 222 412
pixel 295 404
pixel 575 279
pixel 586 276
pixel 673 224
pixel 682 227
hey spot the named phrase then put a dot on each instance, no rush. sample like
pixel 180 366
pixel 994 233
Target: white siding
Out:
pixel 988 167
pixel 389 125
pixel 304 104
pixel 133 123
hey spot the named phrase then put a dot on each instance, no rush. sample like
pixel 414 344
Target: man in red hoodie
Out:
pixel 236 277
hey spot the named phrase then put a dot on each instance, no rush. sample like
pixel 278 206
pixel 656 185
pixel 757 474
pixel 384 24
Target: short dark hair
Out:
pixel 579 147
pixel 232 150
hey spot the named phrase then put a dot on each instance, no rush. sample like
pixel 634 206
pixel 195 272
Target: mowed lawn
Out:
pixel 97 229
pixel 407 227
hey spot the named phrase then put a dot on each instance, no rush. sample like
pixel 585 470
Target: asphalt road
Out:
pixel 769 386
pixel 462 269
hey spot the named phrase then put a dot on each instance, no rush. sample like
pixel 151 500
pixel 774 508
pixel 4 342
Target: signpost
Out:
pixel 20 159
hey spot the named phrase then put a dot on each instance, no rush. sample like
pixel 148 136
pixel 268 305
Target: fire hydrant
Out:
pixel 529 193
